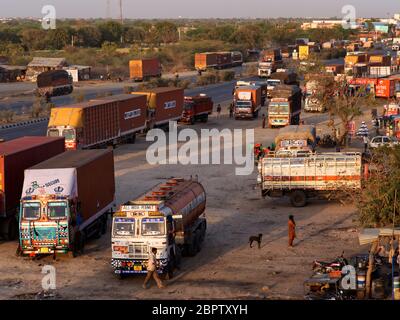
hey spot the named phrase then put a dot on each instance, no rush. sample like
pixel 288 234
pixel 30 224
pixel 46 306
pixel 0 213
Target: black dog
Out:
pixel 255 239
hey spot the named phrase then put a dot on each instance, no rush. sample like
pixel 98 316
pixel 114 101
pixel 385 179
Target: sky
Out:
pixel 145 9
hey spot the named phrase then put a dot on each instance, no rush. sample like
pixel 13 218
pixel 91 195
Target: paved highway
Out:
pixel 219 92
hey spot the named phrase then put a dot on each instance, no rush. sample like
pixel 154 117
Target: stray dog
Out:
pixel 255 239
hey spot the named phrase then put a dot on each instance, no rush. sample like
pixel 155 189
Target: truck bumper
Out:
pixel 44 250
pixel 128 266
pixel 244 116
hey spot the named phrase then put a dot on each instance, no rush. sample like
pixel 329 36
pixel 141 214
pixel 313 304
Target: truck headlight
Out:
pixel 259 179
pixel 121 249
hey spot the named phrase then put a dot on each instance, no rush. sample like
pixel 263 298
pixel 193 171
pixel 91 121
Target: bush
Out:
pixel 206 79
pixel 228 75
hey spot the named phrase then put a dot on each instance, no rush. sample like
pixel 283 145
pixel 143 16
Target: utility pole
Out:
pixel 122 20
pixel 108 10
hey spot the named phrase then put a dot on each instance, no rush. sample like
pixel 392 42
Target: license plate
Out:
pixel 137 268
pixel 44 250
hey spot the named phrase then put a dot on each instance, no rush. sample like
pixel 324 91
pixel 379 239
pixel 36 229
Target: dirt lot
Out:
pixel 226 267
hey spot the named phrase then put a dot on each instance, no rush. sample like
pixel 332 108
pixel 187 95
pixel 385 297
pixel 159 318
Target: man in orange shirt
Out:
pixel 292 230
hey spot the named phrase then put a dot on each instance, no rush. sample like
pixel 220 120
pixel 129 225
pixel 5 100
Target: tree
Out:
pixel 11 50
pixel 39 106
pixel 248 35
pixel 57 38
pixel 134 35
pixel 111 31
pixel 89 36
pixel 166 32
pixel 34 39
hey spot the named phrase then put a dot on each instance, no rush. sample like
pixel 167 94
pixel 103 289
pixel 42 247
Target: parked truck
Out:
pixel 109 120
pixel 217 60
pixel 326 175
pixel 144 69
pixel 285 76
pixel 285 106
pixel 247 102
pixel 263 84
pixel 295 141
pixel 163 105
pixel 270 61
pixel 169 217
pixel 197 108
pixel 16 156
pixel 65 201
pixel 54 83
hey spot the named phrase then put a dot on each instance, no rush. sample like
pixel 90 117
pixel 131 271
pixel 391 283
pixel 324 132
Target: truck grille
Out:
pixel 138 251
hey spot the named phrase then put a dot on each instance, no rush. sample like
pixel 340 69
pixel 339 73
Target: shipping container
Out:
pixel 335 68
pixel 72 194
pixel 203 61
pixel 164 105
pixel 98 122
pixel 217 60
pixel 380 60
pixel 304 52
pixel 143 69
pixel 385 88
pixel 16 156
pixel 271 55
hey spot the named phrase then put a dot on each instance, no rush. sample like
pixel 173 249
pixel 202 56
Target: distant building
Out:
pixel 79 73
pixel 40 64
pixel 325 24
pixel 11 73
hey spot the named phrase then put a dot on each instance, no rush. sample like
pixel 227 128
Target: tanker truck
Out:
pixel 169 217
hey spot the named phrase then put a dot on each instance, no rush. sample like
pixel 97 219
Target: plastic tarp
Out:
pixel 303 132
pixel 59 182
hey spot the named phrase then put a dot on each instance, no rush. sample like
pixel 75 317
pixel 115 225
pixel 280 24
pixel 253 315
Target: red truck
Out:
pixel 16 156
pixel 247 101
pixel 54 83
pixel 217 60
pixel 197 108
pixel 144 69
pixel 65 201
pixel 109 120
pixel 164 105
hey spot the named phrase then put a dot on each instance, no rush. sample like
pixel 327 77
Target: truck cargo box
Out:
pixel 16 156
pixel 205 60
pixel 89 174
pixel 142 69
pixel 165 103
pixel 53 78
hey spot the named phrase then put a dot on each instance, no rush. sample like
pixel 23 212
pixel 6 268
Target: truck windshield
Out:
pixel 243 104
pixel 53 133
pixel 275 107
pixel 57 210
pixel 153 227
pixel 69 134
pixel 123 227
pixel 188 106
pixel 31 210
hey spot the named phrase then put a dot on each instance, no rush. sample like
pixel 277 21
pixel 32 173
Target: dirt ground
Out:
pixel 226 267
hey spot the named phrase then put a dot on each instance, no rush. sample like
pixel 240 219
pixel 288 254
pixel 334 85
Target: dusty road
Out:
pixel 226 267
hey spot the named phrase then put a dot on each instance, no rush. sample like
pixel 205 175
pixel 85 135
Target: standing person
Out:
pixel 292 230
pixel 231 110
pixel 365 140
pixel 264 118
pixel 152 270
pixel 218 110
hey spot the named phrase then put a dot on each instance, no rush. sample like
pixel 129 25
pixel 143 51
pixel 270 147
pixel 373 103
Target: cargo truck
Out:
pixel 295 141
pixel 247 102
pixel 326 175
pixel 197 108
pixel 169 217
pixel 285 76
pixel 264 88
pixel 54 83
pixel 65 201
pixel 144 69
pixel 270 61
pixel 163 105
pixel 285 106
pixel 217 60
pixel 110 120
pixel 16 156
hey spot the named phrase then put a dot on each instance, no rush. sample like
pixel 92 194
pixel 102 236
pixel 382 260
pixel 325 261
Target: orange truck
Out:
pixel 144 69
pixel 385 88
pixel 247 101
pixel 217 60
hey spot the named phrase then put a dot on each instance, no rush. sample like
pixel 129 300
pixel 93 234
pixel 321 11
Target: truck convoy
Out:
pixel 109 120
pixel 163 105
pixel 285 106
pixel 326 175
pixel 65 200
pixel 197 108
pixel 271 60
pixel 247 102
pixel 16 156
pixel 168 217
pixel 144 69
pixel 54 83
pixel 217 60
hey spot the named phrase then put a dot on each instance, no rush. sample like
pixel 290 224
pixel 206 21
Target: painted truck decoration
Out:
pixel 65 200
pixel 169 217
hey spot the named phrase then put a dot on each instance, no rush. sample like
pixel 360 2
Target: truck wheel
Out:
pixel 192 247
pixel 192 121
pixel 298 198
pixel 198 240
pixel 205 119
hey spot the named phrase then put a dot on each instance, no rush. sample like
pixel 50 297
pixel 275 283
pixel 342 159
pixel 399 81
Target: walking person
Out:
pixel 292 230
pixel 218 111
pixel 365 140
pixel 231 110
pixel 152 270
pixel 264 118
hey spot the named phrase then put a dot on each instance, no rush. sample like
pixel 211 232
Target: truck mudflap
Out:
pixel 128 266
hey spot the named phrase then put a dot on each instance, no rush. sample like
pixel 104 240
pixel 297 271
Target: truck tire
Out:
pixel 192 121
pixel 298 198
pixel 198 240
pixel 205 119
pixel 191 249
